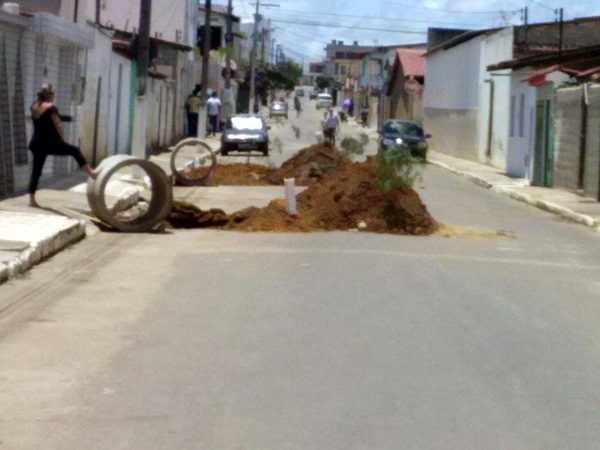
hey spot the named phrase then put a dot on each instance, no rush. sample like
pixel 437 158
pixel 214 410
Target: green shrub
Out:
pixel 352 146
pixel 396 168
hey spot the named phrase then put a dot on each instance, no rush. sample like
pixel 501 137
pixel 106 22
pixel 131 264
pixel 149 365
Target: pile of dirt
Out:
pixel 240 174
pixel 347 198
pixel 186 215
pixel 309 165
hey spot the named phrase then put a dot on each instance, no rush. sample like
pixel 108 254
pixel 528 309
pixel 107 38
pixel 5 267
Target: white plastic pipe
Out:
pixel 290 196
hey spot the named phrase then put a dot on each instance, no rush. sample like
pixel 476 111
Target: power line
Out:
pixel 298 52
pixel 244 8
pixel 330 25
pixel 294 44
pixel 543 6
pixel 393 19
pixel 308 54
pixel 440 10
pixel 303 37
pixel 169 26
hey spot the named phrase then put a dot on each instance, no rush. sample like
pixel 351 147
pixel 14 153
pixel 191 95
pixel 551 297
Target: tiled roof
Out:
pixel 591 71
pixel 413 63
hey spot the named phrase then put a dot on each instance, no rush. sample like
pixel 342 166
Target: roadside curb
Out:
pixel 550 207
pixel 71 231
pixel 541 204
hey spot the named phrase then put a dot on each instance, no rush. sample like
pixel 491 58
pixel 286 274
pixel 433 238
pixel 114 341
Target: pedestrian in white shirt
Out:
pixel 213 105
pixel 330 123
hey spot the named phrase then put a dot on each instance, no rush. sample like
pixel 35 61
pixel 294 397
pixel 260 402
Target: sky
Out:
pixel 304 27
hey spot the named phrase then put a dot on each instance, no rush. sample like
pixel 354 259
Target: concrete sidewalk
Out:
pixel 28 235
pixel 583 210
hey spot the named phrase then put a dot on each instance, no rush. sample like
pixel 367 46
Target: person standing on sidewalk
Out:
pixel 213 105
pixel 331 123
pixel 192 107
pixel 48 139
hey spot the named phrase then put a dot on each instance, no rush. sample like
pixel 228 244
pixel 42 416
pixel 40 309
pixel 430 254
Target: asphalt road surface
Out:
pixel 206 339
pixel 288 136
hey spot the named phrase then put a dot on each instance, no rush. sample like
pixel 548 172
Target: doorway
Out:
pixel 543 147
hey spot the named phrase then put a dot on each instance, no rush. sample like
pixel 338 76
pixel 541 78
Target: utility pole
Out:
pixel 204 77
pixel 262 45
pixel 253 61
pixel 228 102
pixel 143 61
pixel 253 56
pixel 272 56
pixel 98 12
pixel 143 46
pixel 560 35
pixel 526 23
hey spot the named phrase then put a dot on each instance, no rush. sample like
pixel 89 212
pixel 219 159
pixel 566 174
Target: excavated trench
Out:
pixel 340 195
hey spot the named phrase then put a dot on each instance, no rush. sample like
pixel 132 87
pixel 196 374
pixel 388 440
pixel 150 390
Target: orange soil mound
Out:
pixel 341 195
pixel 186 215
pixel 344 199
pixel 240 174
pixel 308 165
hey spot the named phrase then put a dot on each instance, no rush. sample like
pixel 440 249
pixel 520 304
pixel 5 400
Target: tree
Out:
pixel 322 82
pixel 285 76
pixel 269 79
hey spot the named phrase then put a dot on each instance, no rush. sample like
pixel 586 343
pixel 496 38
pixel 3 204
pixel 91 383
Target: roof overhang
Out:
pixel 129 35
pixel 569 57
pixel 66 31
pixel 538 78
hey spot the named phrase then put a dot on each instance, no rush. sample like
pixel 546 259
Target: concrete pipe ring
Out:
pixel 201 163
pixel 158 208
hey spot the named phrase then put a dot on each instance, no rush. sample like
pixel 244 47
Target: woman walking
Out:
pixel 297 105
pixel 48 139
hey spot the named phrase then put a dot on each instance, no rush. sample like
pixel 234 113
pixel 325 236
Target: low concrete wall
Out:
pixel 453 132
pixel 568 140
pixel 591 176
pixel 567 137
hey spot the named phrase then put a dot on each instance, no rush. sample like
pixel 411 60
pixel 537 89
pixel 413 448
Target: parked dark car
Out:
pixel 313 94
pixel 278 109
pixel 245 133
pixel 300 92
pixel 408 135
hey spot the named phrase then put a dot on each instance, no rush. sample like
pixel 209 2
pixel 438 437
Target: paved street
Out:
pixel 220 340
pixel 290 135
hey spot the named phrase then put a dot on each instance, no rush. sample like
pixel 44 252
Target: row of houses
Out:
pixel 505 97
pixel 374 78
pixel 87 49
pixel 524 99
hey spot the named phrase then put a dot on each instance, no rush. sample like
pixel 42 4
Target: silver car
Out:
pixel 245 133
pixel 324 101
pixel 278 109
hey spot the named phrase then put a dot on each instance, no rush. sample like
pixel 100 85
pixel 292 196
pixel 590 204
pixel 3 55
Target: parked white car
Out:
pixel 324 101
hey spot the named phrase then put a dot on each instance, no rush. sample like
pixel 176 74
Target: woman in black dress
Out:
pixel 48 139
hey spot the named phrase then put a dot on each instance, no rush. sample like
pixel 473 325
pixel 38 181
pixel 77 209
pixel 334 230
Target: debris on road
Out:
pixel 240 174
pixel 345 198
pixel 186 215
pixel 307 166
